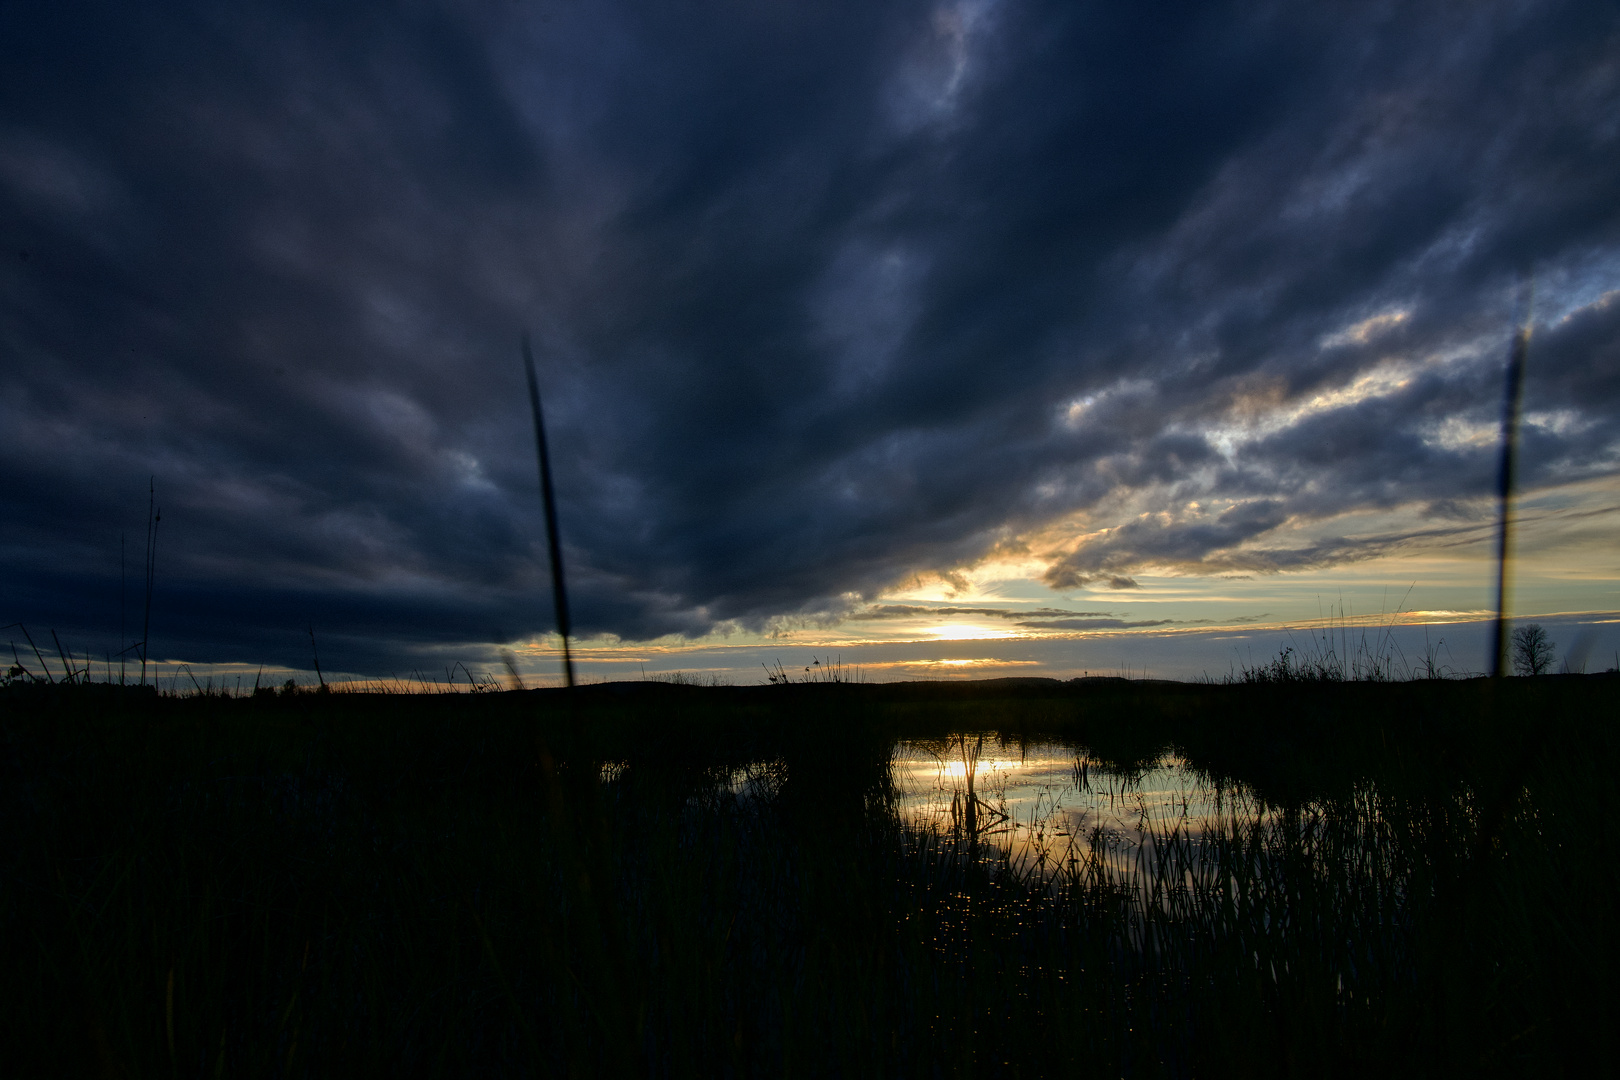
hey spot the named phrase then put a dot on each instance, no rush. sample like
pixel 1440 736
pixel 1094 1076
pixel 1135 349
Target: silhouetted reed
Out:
pixel 548 501
pixel 1507 480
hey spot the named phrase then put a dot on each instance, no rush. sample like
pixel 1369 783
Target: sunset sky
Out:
pixel 946 339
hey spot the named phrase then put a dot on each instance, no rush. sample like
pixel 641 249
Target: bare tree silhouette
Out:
pixel 1532 650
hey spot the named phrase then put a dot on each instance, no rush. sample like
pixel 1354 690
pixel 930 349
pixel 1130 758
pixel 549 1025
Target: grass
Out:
pixel 670 880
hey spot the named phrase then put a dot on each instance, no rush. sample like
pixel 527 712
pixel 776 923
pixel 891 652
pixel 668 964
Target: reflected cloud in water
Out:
pixel 1045 807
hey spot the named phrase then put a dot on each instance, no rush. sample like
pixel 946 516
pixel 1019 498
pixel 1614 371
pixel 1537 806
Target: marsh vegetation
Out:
pixel 1272 879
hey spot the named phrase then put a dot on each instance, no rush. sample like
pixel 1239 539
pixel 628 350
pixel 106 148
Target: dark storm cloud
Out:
pixel 828 294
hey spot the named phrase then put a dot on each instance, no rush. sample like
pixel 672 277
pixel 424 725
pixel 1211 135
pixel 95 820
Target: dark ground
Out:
pixel 554 882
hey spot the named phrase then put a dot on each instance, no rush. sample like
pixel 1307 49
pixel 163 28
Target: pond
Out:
pixel 1046 806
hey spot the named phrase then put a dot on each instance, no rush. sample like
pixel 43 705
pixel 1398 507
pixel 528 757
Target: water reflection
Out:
pixel 1044 807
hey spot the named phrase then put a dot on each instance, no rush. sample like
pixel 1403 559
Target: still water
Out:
pixel 1049 806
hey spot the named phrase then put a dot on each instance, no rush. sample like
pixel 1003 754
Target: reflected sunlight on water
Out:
pixel 1046 806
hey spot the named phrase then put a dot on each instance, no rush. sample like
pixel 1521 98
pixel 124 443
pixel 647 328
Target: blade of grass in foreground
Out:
pixel 559 583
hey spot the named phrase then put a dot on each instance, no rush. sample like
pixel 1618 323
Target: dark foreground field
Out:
pixel 674 881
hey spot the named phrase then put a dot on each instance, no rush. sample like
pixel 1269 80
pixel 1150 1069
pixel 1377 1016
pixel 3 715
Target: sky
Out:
pixel 938 339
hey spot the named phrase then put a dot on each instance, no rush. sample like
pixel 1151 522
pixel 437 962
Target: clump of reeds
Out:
pixel 829 672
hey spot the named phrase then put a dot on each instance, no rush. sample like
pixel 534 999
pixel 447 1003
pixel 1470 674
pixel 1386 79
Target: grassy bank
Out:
pixel 668 880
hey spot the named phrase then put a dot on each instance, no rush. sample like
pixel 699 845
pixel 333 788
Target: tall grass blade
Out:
pixel 317 655
pixel 67 668
pixel 48 676
pixel 559 584
pixel 153 517
pixel 123 611
pixel 1512 399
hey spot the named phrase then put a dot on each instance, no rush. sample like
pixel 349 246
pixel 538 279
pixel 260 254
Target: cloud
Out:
pixel 1093 624
pixel 918 611
pixel 1038 618
pixel 826 296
